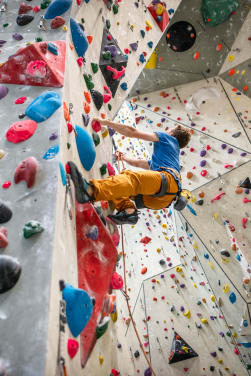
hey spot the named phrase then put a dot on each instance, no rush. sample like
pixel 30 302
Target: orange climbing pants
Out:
pixel 123 187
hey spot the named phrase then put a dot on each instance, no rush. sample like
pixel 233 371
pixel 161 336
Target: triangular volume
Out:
pixel 246 183
pixel 39 64
pixel 180 350
pixel 160 14
pixel 111 55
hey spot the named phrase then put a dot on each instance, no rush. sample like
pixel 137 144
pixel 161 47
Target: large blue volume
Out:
pixel 79 39
pixel 43 106
pixel 86 148
pixel 56 8
pixel 79 307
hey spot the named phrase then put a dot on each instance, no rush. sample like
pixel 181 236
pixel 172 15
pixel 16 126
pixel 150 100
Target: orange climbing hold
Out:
pixel 189 175
pixel 87 108
pixel 231 72
pixel 144 270
pixel 201 194
pixel 87 96
pixel 219 47
pixel 102 115
pixel 245 88
pixel 238 190
pixel 196 55
pixel 89 38
pixel 66 112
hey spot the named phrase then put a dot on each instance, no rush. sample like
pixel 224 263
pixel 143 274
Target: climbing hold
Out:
pixel 225 288
pixel 199 202
pixel 96 126
pixel 103 169
pixel 2 153
pixel 218 197
pixel 3 91
pixel 3 237
pixel 107 95
pixel 196 55
pixel 180 350
pixel 79 39
pixel 5 213
pixel 204 321
pixel 24 19
pixel 57 22
pixel 110 169
pixel 238 190
pixel 124 86
pixel 20 100
pixel 246 183
pixel 94 67
pixel 116 281
pixel 102 327
pixel 21 131
pixel 87 108
pixel 187 313
pixel 79 307
pixel 62 173
pixel 93 233
pixel 144 270
pixel 72 347
pixel 52 48
pixel 32 228
pixel 43 106
pixel 148 372
pixel 86 119
pixel 232 297
pixel 24 8
pixel 57 8
pixel 27 170
pixel 203 173
pixel 216 13
pixel 98 99
pixel 88 81
pixel 189 175
pixel 96 138
pixel 10 271
pixel 51 152
pixel 86 148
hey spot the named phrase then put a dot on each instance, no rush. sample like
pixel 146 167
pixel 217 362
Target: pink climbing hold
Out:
pixel 72 347
pixel 116 281
pixel 20 100
pixel 236 351
pixel 107 95
pixel 244 222
pixel 110 169
pixel 203 173
pixel 218 197
pixel 6 184
pixel 36 69
pixel 36 9
pixel 3 237
pixel 116 74
pixel 21 131
pixel 228 166
pixel 246 200
pixel 114 372
pixel 80 61
pixel 79 2
pixel 96 126
pixel 27 170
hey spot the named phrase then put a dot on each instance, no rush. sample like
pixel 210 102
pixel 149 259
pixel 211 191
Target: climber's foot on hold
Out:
pixel 83 189
pixel 127 216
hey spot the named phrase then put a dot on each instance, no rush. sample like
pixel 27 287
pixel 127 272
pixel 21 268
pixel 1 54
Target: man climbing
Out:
pixel 155 187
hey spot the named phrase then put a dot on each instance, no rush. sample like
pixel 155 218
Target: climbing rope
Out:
pixel 119 159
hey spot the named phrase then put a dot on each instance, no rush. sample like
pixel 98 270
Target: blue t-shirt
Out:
pixel 166 153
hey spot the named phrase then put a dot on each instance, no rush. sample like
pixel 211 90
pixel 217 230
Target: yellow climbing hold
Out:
pixel 160 9
pixel 195 245
pixel 216 215
pixel 101 359
pixel 164 225
pixel 64 28
pixel 2 153
pixel 230 58
pixel 152 62
pixel 204 320
pixel 148 23
pixel 220 361
pixel 194 285
pixel 234 334
pixel 166 237
pixel 243 72
pixel 211 265
pixel 158 250
pixel 213 298
pixel 225 288
pixel 178 269
pixel 185 348
pixel 114 316
pixel 187 314
pixel 105 133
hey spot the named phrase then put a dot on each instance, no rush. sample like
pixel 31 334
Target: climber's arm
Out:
pixel 136 162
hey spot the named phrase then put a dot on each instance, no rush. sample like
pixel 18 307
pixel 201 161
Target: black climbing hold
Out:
pixel 24 19
pixel 5 213
pixel 225 253
pixel 181 36
pixel 113 61
pixel 246 183
pixel 235 135
pixel 199 202
pixel 10 271
pixel 180 350
pixel 212 368
pixel 162 262
pixel 98 99
pixel 136 354
pixel 21 116
pixel 96 138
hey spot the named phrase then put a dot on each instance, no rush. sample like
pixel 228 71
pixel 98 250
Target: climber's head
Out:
pixel 182 134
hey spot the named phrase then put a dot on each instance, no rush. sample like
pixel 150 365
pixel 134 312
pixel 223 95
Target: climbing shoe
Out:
pixel 123 217
pixel 80 184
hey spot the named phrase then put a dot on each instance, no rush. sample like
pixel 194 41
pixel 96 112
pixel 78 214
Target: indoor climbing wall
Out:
pixel 54 52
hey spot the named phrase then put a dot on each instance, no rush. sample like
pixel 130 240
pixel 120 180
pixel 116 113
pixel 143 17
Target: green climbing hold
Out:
pixel 217 12
pixel 102 327
pixel 107 55
pixel 82 20
pixel 94 67
pixel 45 4
pixel 39 39
pixel 88 81
pixel 32 228
pixel 96 138
pixel 68 145
pixel 109 107
pixel 118 257
pixel 115 8
pixel 103 169
pixel 108 24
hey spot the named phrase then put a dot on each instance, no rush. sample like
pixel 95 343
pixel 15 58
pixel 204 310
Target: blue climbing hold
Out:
pixel 79 307
pixel 124 86
pixel 43 106
pixel 142 58
pixel 247 345
pixel 150 44
pixel 56 8
pixel 245 323
pixel 159 18
pixel 238 257
pixel 62 173
pixel 93 233
pixel 86 148
pixel 79 39
pixel 143 33
pixel 191 209
pixel 206 255
pixel 51 152
pixel 232 297
pixel 52 48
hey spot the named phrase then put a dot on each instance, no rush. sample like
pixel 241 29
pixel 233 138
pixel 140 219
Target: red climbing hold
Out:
pixel 6 184
pixel 27 170
pixel 96 126
pixel 110 169
pixel 218 197
pixel 57 22
pixel 14 70
pixel 20 100
pixel 231 72
pixel 21 131
pixel 145 240
pixel 244 222
pixel 36 9
pixel 24 8
pixel 116 281
pixel 203 173
pixel 72 347
pixel 107 95
pixel 3 237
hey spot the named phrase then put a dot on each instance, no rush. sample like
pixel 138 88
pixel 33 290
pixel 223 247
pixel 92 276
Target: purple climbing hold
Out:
pixel 214 354
pixel 3 91
pixel 134 46
pixel 112 49
pixel 203 153
pixel 223 146
pixel 230 150
pixel 162 120
pixel 182 152
pixel 2 42
pixel 93 233
pixel 203 163
pixel 86 119
pixel 53 136
pixel 243 154
pixel 111 131
pixel 148 372
pixel 182 309
pixel 17 36
pixel 145 99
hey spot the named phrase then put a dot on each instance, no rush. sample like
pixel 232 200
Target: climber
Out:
pixel 154 188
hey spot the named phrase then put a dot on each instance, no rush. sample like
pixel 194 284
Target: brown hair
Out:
pixel 182 134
